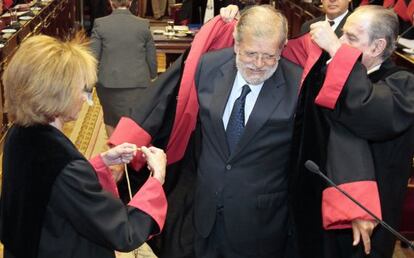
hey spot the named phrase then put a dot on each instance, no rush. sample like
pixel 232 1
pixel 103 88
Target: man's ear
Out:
pixel 236 48
pixel 378 47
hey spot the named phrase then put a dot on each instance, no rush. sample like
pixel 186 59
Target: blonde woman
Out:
pixel 54 203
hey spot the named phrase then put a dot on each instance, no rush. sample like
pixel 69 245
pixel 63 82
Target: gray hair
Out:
pixel 262 21
pixel 383 24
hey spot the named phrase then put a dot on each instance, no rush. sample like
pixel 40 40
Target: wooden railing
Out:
pixel 55 18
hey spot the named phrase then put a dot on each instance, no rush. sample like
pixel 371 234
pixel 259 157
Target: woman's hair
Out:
pixel 43 78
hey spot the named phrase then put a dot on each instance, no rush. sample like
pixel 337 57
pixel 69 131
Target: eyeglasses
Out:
pixel 88 91
pixel 254 56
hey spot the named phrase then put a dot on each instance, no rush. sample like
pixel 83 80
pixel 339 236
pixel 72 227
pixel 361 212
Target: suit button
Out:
pixel 228 167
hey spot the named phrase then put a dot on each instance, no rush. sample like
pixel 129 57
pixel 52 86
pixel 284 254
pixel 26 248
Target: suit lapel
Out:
pixel 268 100
pixel 224 83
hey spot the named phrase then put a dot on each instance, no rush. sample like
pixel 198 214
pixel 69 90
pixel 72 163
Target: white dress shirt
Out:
pixel 251 98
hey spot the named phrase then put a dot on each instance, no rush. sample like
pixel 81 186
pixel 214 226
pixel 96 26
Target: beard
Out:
pixel 253 75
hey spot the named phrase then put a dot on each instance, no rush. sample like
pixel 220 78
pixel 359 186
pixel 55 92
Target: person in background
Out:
pixel 54 203
pixel 125 50
pixel 336 12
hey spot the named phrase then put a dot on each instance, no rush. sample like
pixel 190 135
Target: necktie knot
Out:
pixel 332 23
pixel 245 90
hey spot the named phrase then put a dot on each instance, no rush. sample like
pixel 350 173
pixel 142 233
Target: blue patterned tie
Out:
pixel 235 126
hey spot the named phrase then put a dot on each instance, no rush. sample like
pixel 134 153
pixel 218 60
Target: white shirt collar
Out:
pixel 337 20
pixel 374 69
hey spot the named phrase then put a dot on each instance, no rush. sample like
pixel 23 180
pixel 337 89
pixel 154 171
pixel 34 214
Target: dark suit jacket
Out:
pixel 125 49
pixel 305 28
pixel 252 181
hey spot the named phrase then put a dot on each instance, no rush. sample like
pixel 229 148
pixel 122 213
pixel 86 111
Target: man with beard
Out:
pixel 247 97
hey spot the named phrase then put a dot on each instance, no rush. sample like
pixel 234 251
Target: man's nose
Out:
pixel 258 61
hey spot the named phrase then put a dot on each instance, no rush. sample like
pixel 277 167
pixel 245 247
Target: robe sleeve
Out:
pixel 357 102
pixel 377 111
pixel 338 211
pixel 100 217
pixel 104 174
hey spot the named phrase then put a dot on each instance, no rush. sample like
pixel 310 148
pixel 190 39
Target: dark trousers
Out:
pixel 217 244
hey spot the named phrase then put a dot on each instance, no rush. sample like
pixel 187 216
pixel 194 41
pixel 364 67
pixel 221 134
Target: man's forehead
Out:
pixel 357 22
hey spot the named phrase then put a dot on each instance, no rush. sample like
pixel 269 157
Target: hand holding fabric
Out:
pixel 364 229
pixel 156 162
pixel 229 13
pixel 324 36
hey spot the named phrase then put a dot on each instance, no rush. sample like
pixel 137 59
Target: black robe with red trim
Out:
pixel 54 203
pixel 341 117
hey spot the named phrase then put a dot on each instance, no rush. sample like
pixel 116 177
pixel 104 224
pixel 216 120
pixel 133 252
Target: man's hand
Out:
pixel 323 35
pixel 229 13
pixel 364 229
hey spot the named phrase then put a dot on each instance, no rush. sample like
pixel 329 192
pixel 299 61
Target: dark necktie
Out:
pixel 235 126
pixel 332 23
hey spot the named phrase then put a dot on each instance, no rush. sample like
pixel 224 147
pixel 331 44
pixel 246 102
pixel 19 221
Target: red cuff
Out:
pixel 338 211
pixel 336 76
pixel 104 175
pixel 129 131
pixel 151 200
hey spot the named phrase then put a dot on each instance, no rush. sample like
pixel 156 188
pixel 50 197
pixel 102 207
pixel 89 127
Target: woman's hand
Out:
pixel 229 13
pixel 156 162
pixel 120 154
